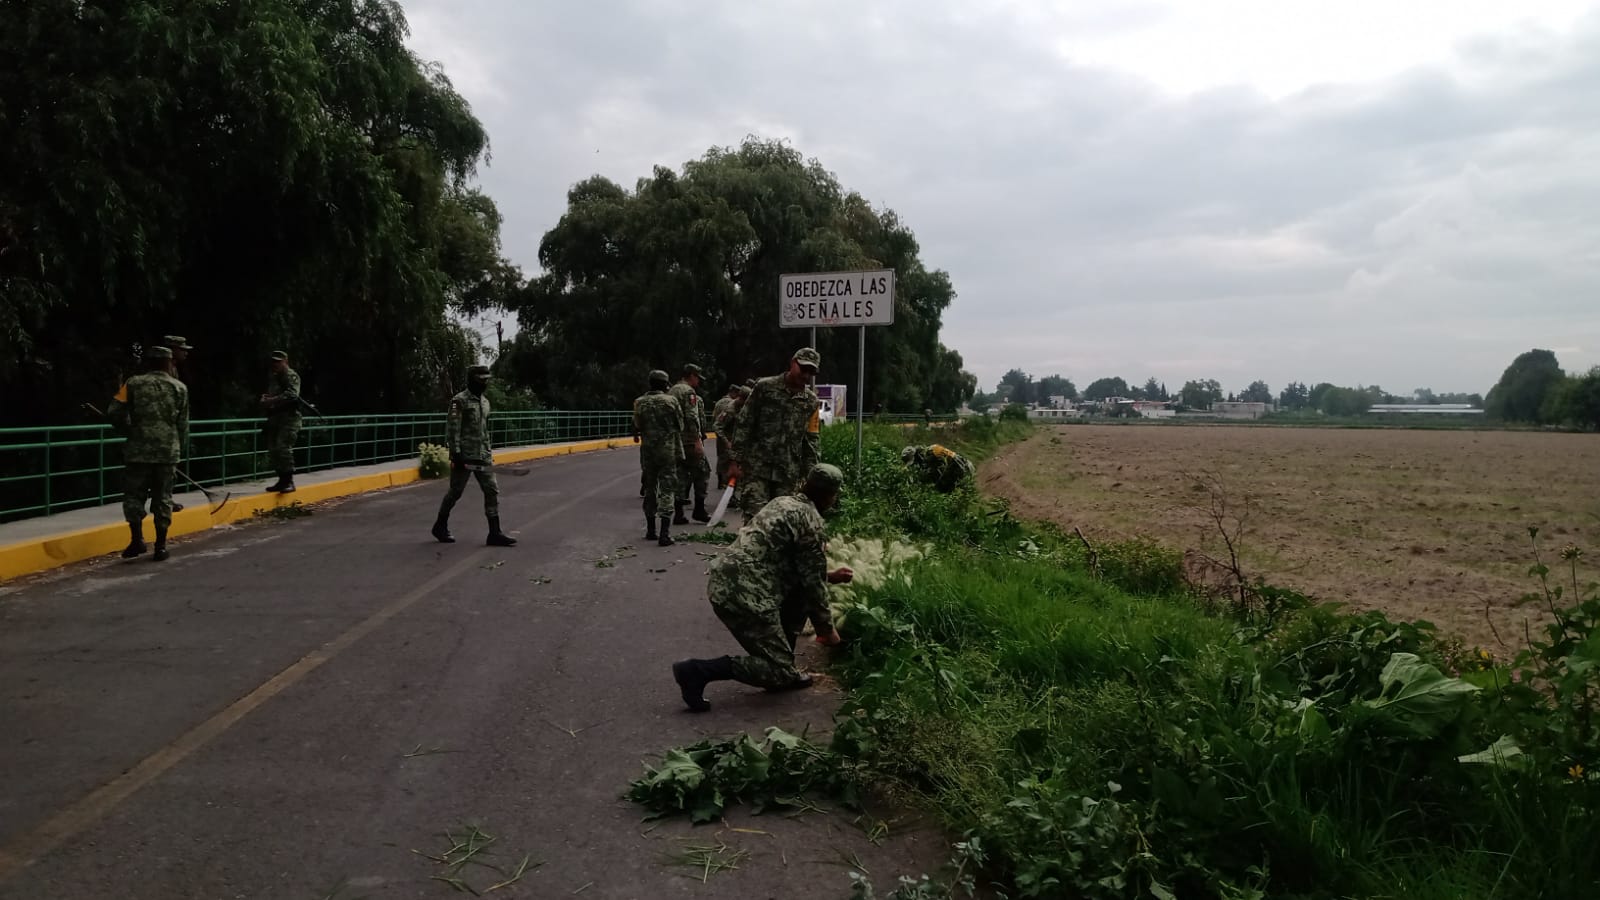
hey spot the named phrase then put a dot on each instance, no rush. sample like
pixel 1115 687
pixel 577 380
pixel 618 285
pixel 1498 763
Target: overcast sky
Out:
pixel 1394 192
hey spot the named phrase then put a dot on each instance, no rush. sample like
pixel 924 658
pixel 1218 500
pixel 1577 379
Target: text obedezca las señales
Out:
pixel 835 298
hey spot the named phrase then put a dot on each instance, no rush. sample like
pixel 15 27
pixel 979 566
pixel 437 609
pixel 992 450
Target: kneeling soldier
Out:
pixel 771 580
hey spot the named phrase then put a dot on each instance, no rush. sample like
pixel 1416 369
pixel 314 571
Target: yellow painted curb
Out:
pixel 45 553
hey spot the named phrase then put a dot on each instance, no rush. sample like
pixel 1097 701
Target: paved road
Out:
pixel 290 709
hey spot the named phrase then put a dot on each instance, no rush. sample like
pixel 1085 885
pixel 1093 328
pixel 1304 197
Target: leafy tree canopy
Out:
pixel 684 268
pixel 278 174
pixel 1101 388
pixel 1201 394
pixel 1524 387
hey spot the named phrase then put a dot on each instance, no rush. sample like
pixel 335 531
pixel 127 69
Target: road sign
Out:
pixel 833 299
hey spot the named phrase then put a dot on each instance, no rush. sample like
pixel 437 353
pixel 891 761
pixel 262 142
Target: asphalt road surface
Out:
pixel 304 708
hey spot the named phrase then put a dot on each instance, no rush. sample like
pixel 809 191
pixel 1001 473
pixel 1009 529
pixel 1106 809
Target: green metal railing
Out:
pixel 53 469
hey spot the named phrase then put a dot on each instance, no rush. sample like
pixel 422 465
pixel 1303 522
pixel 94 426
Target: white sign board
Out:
pixel 832 299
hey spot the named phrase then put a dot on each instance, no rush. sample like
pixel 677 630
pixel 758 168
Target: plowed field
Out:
pixel 1422 524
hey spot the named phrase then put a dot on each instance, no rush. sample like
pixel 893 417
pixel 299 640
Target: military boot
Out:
pixel 678 517
pixel 288 484
pixel 136 545
pixel 161 545
pixel 441 531
pixel 498 538
pixel 665 540
pixel 692 676
pixel 649 527
pixel 275 486
pixel 700 514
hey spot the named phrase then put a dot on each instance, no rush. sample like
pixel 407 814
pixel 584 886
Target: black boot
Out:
pixel 161 545
pixel 176 506
pixel 136 544
pixel 276 485
pixel 700 514
pixel 677 515
pixel 649 527
pixel 287 484
pixel 692 676
pixel 498 538
pixel 665 540
pixel 441 531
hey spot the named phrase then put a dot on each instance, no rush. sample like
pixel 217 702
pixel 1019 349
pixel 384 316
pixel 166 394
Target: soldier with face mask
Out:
pixel 467 437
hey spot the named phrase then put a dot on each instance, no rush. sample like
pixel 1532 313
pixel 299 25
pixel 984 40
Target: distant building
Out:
pixel 1240 409
pixel 1047 415
pixel 1433 409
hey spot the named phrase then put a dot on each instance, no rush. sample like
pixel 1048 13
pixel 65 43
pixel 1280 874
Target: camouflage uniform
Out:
pixel 721 420
pixel 283 420
pixel 693 471
pixel 658 420
pixel 769 582
pixel 937 465
pixel 153 411
pixel 775 442
pixel 467 437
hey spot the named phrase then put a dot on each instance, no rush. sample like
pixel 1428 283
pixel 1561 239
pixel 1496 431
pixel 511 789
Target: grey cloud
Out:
pixel 1419 230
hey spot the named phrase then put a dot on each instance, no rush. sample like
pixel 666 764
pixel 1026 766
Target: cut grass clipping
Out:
pixel 470 845
pixel 707 860
pixel 295 510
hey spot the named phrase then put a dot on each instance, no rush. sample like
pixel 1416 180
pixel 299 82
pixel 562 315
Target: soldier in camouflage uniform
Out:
pixel 467 437
pixel 693 470
pixel 282 403
pixel 938 465
pixel 152 410
pixel 721 421
pixel 764 588
pixel 658 430
pixel 775 437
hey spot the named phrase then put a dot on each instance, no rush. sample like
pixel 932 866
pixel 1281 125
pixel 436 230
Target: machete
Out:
pixel 722 505
pixel 503 469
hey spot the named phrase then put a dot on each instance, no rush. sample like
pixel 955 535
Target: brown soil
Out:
pixel 1421 524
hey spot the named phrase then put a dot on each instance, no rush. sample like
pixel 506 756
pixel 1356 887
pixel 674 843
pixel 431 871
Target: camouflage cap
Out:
pixel 808 356
pixel 690 369
pixel 825 478
pixel 157 352
pixel 477 370
pixel 176 342
pixel 277 356
pixel 658 375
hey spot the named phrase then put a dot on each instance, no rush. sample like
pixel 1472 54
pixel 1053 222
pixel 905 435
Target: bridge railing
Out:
pixel 52 469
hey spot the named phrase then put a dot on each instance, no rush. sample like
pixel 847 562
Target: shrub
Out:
pixel 433 460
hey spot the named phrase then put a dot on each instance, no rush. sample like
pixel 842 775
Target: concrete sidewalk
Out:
pixel 46 542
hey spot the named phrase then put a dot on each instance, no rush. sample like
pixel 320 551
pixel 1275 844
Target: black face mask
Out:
pixel 478 384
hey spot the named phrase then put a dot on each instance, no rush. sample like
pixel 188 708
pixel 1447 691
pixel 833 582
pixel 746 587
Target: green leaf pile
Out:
pixel 779 771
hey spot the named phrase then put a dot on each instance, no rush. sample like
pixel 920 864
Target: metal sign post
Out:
pixel 861 392
pixel 833 299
